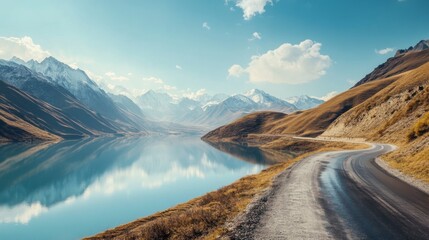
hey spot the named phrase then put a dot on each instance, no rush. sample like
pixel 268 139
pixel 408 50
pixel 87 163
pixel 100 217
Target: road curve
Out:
pixel 344 195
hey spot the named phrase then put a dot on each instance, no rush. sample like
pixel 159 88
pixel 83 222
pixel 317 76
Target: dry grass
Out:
pixel 300 146
pixel 205 217
pixel 420 127
pixel 412 158
pixel 399 115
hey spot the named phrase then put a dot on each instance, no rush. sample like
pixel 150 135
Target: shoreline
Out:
pixel 218 212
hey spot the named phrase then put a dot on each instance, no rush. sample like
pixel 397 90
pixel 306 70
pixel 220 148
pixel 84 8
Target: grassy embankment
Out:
pixel 416 163
pixel 205 217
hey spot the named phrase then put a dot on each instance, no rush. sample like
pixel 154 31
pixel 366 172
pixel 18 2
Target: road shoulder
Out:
pixel 405 178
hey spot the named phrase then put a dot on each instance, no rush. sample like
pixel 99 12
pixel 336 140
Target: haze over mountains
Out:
pixel 212 111
pixel 66 103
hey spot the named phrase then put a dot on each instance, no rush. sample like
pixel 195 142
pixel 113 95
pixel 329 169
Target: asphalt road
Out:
pixel 344 195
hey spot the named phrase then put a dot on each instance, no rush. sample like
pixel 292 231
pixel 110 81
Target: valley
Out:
pixel 235 119
pixel 91 111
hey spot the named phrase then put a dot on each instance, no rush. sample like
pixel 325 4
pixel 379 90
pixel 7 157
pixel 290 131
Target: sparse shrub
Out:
pixel 156 230
pixel 420 127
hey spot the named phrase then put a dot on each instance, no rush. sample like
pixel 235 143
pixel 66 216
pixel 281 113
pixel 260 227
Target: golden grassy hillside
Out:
pixel 253 123
pixel 396 65
pixel 398 114
pixel 389 114
pixel 311 122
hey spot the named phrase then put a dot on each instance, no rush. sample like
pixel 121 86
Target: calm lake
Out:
pixel 74 189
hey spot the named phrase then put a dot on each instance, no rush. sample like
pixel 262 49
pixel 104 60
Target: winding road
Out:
pixel 344 195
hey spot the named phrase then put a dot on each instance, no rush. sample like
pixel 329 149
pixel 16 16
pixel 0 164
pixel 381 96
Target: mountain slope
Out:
pixel 24 118
pixel 401 62
pixel 269 102
pixel 126 104
pixel 41 88
pixel 304 102
pixel 398 114
pixel 81 87
pixel 158 106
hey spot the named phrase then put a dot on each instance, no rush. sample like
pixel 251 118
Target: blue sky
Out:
pixel 188 45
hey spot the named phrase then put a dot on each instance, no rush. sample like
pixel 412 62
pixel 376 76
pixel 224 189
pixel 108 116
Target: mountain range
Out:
pixel 212 111
pixel 66 103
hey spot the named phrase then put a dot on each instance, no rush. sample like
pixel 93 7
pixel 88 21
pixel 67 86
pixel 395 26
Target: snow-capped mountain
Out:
pixel 304 102
pixel 126 104
pixel 239 105
pixel 84 121
pixel 77 83
pixel 196 110
pixel 190 104
pixel 154 100
pixel 62 74
pixel 214 100
pixel 269 102
pixel 209 111
pixel 158 106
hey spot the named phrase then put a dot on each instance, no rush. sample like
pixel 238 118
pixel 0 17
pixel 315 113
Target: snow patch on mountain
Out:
pixel 304 102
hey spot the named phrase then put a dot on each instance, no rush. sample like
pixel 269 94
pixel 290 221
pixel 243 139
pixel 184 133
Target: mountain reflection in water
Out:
pixel 73 189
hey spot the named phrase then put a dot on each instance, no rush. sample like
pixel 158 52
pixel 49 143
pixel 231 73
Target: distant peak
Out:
pixel 51 60
pixel 16 59
pixel 254 91
pixel 420 46
pixel 150 92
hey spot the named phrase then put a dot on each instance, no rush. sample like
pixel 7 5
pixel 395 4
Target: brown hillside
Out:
pixel 24 118
pixel 252 123
pixel 396 65
pixel 398 114
pixel 311 122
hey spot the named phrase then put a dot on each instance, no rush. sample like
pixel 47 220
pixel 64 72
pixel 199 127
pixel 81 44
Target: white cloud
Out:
pixel 384 51
pixel 195 95
pixel 113 76
pixel 159 84
pixel 235 71
pixel 23 48
pixel 252 7
pixel 167 87
pixel 329 95
pixel 179 67
pixel 154 80
pixel 255 36
pixel 291 64
pixel 206 25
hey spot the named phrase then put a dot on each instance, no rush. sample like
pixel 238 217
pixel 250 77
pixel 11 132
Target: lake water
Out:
pixel 74 189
